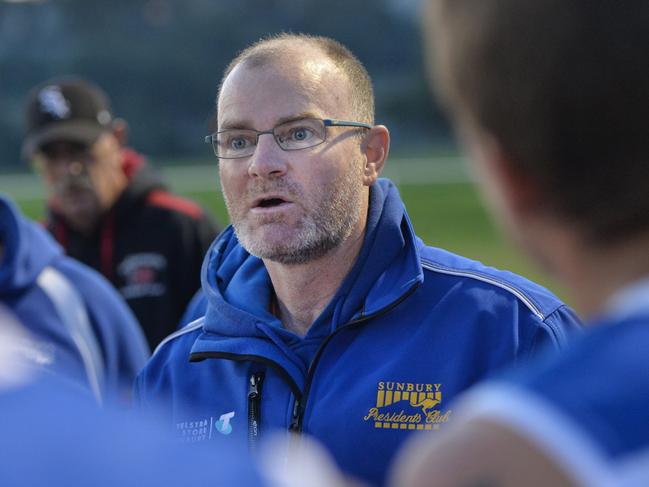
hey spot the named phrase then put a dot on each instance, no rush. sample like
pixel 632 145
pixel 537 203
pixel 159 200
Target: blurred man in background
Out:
pixel 325 313
pixel 551 99
pixel 80 327
pixel 108 209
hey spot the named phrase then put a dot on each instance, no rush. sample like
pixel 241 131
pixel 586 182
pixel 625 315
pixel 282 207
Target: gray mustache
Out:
pixel 283 187
pixel 74 184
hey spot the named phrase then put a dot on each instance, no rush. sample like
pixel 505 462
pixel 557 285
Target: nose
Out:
pixel 60 167
pixel 75 168
pixel 268 160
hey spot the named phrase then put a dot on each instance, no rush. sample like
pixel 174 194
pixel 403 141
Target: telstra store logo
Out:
pixel 223 425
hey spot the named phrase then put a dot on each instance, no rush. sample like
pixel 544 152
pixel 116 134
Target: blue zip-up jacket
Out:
pixel 80 328
pixel 52 433
pixel 409 328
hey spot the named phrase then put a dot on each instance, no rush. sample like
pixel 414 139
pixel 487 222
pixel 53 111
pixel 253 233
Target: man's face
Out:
pixel 291 206
pixel 79 177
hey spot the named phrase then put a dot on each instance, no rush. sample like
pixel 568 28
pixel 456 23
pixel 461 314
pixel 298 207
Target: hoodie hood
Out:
pixel 238 287
pixel 27 249
pixel 143 179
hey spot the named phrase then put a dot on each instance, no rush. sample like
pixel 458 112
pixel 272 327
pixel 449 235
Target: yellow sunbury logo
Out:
pixel 408 406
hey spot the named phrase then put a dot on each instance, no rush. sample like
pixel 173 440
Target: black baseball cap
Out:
pixel 69 109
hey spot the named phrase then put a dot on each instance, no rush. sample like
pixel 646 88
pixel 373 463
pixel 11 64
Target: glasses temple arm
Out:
pixel 345 123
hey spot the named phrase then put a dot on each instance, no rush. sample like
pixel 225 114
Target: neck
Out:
pixel 599 272
pixel 303 291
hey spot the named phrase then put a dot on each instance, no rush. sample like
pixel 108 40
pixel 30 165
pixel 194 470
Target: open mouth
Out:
pixel 270 202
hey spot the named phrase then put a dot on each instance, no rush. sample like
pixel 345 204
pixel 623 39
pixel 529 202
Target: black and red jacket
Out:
pixel 150 245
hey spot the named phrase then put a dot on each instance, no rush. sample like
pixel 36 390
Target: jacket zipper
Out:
pixel 297 393
pixel 254 409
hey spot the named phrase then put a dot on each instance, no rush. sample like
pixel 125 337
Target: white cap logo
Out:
pixel 53 102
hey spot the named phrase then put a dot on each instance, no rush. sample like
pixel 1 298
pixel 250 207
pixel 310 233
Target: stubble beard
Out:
pixel 321 230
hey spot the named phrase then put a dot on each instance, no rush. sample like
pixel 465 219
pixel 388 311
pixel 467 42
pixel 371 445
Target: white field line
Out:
pixel 205 177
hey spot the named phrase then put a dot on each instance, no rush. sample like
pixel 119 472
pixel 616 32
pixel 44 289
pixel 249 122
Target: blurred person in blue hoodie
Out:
pixel 81 329
pixel 52 433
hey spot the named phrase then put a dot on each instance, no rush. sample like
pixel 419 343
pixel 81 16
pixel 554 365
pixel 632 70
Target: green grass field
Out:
pixel 448 215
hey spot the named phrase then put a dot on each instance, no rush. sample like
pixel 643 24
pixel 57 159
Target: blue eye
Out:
pixel 301 133
pixel 238 144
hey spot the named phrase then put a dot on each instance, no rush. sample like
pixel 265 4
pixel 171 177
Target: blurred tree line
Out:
pixel 161 61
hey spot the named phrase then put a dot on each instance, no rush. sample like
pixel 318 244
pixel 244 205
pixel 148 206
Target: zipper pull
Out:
pixel 295 419
pixel 254 409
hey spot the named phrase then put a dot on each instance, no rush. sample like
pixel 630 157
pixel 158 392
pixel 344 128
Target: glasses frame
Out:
pixel 77 154
pixel 328 122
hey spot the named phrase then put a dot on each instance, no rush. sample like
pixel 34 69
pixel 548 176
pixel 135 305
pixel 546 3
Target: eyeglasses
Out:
pixel 294 135
pixel 54 155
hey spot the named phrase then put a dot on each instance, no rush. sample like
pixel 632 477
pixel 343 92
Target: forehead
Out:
pixel 261 96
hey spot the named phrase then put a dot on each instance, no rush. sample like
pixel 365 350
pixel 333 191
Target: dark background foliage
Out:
pixel 161 60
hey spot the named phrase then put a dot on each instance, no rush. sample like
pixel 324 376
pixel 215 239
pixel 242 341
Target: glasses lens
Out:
pixel 300 134
pixel 231 144
pixel 64 150
pixel 54 155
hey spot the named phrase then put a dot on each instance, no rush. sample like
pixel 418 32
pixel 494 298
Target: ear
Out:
pixel 375 148
pixel 119 129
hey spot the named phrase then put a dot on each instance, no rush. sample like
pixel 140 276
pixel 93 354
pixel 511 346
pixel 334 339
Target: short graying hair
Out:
pixel 270 49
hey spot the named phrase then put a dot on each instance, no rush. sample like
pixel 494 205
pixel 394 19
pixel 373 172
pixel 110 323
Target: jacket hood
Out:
pixel 27 249
pixel 143 179
pixel 238 287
